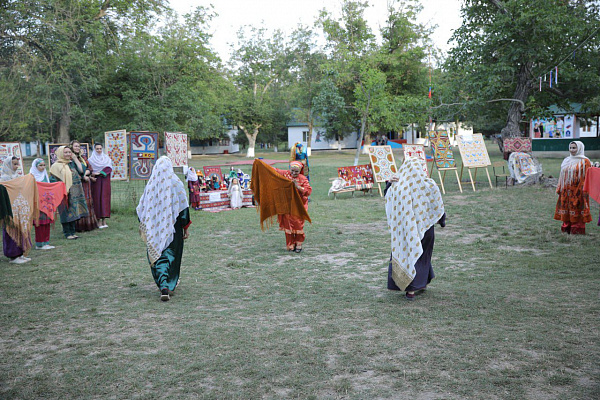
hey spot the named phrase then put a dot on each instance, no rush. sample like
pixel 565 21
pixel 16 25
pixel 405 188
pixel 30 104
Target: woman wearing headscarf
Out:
pixel 234 191
pixel 164 217
pixel 297 154
pixel 89 222
pixel 191 178
pixel 572 207
pixel 65 170
pixel 101 165
pixel 413 205
pixel 16 239
pixel 50 195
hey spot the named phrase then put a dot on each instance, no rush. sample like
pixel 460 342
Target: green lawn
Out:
pixel 512 314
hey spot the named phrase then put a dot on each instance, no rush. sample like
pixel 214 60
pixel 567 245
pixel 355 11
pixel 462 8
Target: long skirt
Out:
pixel 10 247
pixel 101 191
pixel 90 222
pixel 294 230
pixel 424 269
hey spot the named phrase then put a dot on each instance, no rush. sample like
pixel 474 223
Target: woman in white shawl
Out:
pixel 413 206
pixel 101 191
pixel 235 193
pixel 191 178
pixel 164 217
pixel 573 205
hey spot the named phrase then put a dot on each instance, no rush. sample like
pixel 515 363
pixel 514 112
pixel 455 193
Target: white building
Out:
pixel 216 146
pixel 298 132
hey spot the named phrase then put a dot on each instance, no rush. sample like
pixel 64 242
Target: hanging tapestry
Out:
pixel 473 151
pixel 143 151
pixel 209 172
pixel 85 151
pixel 382 162
pixel 12 149
pixel 176 148
pixel 116 148
pixel 416 151
pixel 439 143
pixel 517 145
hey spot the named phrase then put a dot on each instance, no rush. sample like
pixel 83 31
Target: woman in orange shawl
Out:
pixel 572 207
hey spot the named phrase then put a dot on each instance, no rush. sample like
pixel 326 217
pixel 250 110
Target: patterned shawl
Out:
pixel 7 170
pixel 61 169
pixel 51 195
pixel 413 205
pixel 23 193
pixel 572 167
pixel 5 208
pixel 39 176
pixel 100 161
pixel 275 194
pixel 163 199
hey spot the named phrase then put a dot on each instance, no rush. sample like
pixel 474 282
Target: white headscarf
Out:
pixel 163 199
pixel 572 167
pixel 7 170
pixel 190 175
pixel 39 176
pixel 413 205
pixel 99 162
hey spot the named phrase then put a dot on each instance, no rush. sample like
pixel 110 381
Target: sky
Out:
pixel 287 14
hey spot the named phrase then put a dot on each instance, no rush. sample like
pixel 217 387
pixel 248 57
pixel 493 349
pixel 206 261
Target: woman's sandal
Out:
pixel 298 250
pixel 410 296
pixel 72 237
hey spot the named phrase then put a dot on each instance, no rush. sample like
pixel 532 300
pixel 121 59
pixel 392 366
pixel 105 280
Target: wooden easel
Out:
pixel 471 176
pixel 444 176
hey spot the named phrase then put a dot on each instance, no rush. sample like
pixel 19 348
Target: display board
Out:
pixel 51 148
pixel 473 151
pixel 209 172
pixel 356 176
pixel 143 152
pixel 116 148
pixel 176 148
pixel 441 149
pixel 382 163
pixel 12 149
pixel 517 145
pixel 416 151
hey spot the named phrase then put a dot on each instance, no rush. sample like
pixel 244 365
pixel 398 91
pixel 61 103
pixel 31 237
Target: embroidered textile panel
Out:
pixel 473 150
pixel 85 151
pixel 209 172
pixel 382 162
pixel 441 149
pixel 12 149
pixel 116 148
pixel 416 151
pixel 517 145
pixel 176 148
pixel 356 175
pixel 143 152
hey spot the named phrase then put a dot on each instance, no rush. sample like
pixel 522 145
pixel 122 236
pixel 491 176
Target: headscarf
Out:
pixel 7 171
pixel 39 176
pixel 297 164
pixel 293 151
pixel 99 162
pixel 163 199
pixel 191 175
pixel 23 193
pixel 413 205
pixel 572 167
pixel 61 169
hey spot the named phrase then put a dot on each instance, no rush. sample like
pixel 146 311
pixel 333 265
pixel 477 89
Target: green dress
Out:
pixel 166 269
pixel 77 207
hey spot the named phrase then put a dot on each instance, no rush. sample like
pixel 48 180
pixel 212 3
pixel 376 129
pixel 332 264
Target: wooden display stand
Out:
pixel 474 156
pixel 471 176
pixel 442 177
pixel 443 159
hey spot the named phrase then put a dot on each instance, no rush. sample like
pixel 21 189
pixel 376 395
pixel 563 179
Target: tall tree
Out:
pixel 504 46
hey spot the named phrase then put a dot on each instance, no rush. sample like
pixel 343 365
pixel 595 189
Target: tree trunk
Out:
pixel 309 137
pixel 360 139
pixel 65 123
pixel 516 110
pixel 251 140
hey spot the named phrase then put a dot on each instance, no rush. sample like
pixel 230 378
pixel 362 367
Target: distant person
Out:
pixel 102 167
pixel 193 183
pixel 298 153
pixel 14 244
pixel 88 222
pixel 164 216
pixel 572 207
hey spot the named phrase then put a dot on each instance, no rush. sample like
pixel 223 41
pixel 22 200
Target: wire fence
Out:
pixel 125 195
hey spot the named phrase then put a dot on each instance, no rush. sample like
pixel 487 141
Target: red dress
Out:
pixel 573 205
pixel 291 225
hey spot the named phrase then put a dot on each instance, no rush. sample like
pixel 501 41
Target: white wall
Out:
pixel 216 149
pixel 319 142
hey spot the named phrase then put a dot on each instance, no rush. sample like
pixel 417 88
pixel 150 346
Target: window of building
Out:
pixel 305 136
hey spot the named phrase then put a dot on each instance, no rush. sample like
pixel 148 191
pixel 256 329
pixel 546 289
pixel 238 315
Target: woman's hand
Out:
pixel 186 234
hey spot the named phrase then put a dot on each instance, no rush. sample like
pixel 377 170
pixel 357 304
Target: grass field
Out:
pixel 512 314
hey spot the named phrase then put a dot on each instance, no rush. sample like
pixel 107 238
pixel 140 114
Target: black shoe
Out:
pixel 164 295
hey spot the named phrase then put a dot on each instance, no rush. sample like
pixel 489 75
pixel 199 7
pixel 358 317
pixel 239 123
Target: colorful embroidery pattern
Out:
pixel 473 150
pixel 209 172
pixel 356 176
pixel 382 162
pixel 12 150
pixel 116 148
pixel 176 148
pixel 441 149
pixel 416 151
pixel 517 145
pixel 143 150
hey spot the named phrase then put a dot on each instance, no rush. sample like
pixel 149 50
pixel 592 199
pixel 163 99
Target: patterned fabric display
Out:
pixel 416 151
pixel 521 145
pixel 357 176
pixel 12 150
pixel 209 172
pixel 473 150
pixel 116 148
pixel 382 162
pixel 85 151
pixel 441 149
pixel 143 149
pixel 176 148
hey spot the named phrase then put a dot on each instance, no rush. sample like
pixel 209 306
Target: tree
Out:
pixel 504 47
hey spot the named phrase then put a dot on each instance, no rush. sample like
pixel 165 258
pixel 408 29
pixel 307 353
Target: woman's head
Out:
pixel 66 153
pixel 295 168
pixel 576 148
pixel 14 163
pixel 39 164
pixel 75 146
pixel 98 148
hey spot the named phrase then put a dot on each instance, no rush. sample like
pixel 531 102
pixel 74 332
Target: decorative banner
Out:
pixel 116 148
pixel 416 151
pixel 473 150
pixel 51 148
pixel 12 149
pixel 357 176
pixel 441 149
pixel 209 172
pixel 143 150
pixel 176 148
pixel 382 162
pixel 517 145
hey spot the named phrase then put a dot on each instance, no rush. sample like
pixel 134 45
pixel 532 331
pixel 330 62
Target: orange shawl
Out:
pixel 275 195
pixel 51 195
pixel 23 193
